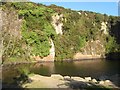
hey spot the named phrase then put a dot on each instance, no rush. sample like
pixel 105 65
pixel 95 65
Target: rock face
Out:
pixel 10 30
pixel 79 13
pixel 11 23
pixel 82 56
pixel 1 45
pixel 92 50
pixel 57 24
pixel 104 27
pixel 52 50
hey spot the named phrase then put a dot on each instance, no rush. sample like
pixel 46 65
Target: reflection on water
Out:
pixel 100 69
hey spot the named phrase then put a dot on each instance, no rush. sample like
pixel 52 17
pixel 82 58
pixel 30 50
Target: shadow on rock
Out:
pixel 80 85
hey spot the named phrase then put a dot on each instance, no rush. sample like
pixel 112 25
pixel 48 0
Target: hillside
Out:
pixel 35 31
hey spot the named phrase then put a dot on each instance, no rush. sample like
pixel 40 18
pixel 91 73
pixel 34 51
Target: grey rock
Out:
pixel 67 78
pixel 101 82
pixel 57 76
pixel 78 79
pixel 88 79
pixel 94 80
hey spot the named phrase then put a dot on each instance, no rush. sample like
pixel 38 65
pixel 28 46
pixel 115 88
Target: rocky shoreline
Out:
pixel 49 61
pixel 59 81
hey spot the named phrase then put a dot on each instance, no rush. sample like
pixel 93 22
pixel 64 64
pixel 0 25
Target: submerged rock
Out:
pixel 78 85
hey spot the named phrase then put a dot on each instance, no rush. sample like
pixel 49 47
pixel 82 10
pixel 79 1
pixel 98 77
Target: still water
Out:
pixel 99 69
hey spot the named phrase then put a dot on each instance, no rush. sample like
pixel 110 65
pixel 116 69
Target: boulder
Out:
pixel 108 83
pixel 67 78
pixel 57 76
pixel 101 82
pixel 88 79
pixel 94 80
pixel 78 79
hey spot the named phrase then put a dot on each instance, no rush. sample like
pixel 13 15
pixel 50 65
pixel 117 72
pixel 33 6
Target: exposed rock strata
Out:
pixel 57 24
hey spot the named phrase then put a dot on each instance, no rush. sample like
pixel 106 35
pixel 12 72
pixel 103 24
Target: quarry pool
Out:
pixel 99 69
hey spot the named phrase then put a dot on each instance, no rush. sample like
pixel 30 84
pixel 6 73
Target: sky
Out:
pixel 109 8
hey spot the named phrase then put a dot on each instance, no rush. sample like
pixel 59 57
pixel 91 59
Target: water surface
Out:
pixel 99 69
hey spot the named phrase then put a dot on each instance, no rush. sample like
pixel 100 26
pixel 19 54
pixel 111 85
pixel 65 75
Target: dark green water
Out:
pixel 99 69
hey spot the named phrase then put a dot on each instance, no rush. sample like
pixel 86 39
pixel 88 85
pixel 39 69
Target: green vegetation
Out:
pixel 37 30
pixel 37 24
pixel 113 40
